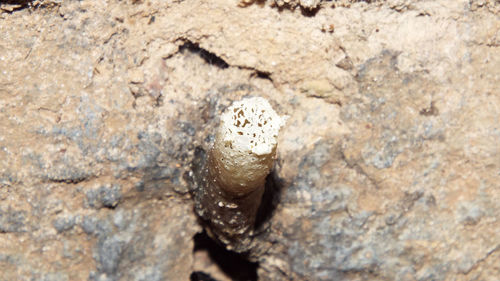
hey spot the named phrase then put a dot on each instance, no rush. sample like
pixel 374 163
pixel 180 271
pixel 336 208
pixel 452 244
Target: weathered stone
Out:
pixel 387 169
pixel 12 220
pixel 64 223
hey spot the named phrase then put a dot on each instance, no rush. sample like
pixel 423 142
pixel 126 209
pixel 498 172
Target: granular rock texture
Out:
pixel 388 167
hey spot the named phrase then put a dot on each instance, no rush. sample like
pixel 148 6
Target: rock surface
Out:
pixel 388 169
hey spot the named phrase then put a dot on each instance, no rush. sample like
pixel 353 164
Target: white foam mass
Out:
pixel 251 125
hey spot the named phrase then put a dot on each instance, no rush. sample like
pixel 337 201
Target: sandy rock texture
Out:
pixel 388 169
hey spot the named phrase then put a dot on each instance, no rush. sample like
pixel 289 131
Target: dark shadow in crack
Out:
pixel 207 56
pixel 234 265
pixel 270 200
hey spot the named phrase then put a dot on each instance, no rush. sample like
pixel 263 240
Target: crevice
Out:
pixel 432 110
pixel 201 276
pixel 306 11
pixel 14 6
pixel 11 6
pixel 309 12
pixel 270 200
pixel 481 260
pixel 261 74
pixel 215 60
pixel 233 265
pixel 17 2
pixel 74 180
pixel 207 56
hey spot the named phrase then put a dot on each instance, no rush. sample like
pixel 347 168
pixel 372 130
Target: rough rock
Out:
pixel 388 166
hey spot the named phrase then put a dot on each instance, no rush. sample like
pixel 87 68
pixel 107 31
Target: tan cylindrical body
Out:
pixel 233 179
